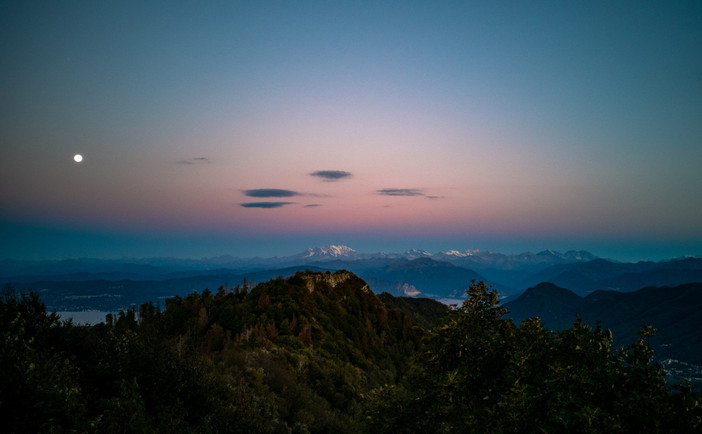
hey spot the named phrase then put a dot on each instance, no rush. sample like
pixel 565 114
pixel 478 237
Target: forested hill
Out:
pixel 676 313
pixel 295 353
pixel 318 353
pixel 425 311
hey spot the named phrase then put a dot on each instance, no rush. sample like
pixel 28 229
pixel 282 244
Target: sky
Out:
pixel 264 128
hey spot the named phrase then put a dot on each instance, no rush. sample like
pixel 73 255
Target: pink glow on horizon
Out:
pixel 494 121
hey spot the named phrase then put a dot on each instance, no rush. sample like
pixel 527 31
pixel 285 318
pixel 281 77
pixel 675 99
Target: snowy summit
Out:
pixel 330 251
pixel 458 254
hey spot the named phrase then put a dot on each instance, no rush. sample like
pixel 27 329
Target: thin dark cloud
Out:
pixel 407 192
pixel 195 160
pixel 312 205
pixel 266 205
pixel 401 192
pixel 331 175
pixel 271 192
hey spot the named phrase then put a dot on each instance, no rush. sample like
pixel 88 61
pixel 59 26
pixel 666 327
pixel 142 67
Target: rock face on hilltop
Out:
pixel 314 280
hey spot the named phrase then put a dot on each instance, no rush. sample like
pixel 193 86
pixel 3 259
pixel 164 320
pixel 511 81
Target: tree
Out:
pixel 479 372
pixel 39 390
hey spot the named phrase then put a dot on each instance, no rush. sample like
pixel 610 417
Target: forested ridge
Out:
pixel 319 352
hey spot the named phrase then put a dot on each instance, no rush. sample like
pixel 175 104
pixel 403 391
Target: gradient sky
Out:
pixel 263 128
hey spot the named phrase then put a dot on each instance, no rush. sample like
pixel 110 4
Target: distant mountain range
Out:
pixel 676 313
pixel 416 273
pixel 622 296
pixel 422 276
pixel 473 259
pixel 599 274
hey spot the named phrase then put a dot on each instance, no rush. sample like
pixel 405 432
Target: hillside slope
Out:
pixel 676 313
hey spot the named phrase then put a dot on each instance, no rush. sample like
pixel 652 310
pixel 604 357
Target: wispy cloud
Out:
pixel 407 192
pixel 401 192
pixel 271 192
pixel 312 205
pixel 331 175
pixel 267 205
pixel 195 160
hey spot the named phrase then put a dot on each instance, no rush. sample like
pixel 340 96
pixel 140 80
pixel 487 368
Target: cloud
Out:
pixel 271 192
pixel 195 160
pixel 331 175
pixel 401 192
pixel 312 205
pixel 266 205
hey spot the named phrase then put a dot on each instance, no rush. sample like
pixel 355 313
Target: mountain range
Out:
pixel 675 311
pixel 599 274
pixel 557 287
pixel 80 284
pixel 472 259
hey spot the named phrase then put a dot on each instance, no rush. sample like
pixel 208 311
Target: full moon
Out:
pixel 77 158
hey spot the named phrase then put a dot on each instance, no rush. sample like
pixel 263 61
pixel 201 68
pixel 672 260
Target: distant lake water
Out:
pixel 85 317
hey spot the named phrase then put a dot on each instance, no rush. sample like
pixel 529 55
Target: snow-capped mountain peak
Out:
pixel 417 253
pixel 458 254
pixel 330 251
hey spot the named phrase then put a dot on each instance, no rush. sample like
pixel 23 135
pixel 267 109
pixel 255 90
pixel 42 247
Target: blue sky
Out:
pixel 504 126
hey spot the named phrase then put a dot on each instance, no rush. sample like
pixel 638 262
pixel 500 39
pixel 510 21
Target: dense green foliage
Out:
pixel 319 352
pixel 293 355
pixel 425 311
pixel 479 372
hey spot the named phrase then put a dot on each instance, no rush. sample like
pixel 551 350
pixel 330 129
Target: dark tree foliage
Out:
pixel 290 355
pixel 39 387
pixel 319 352
pixel 424 311
pixel 479 373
